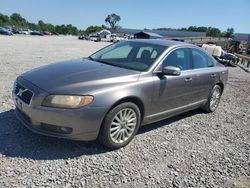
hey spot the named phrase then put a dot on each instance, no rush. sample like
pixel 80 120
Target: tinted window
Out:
pixel 120 52
pixel 129 54
pixel 178 58
pixel 200 59
pixel 153 53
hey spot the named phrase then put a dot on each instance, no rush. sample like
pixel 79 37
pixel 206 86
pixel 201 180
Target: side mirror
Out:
pixel 171 70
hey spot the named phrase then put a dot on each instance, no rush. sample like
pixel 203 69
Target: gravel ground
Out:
pixel 191 150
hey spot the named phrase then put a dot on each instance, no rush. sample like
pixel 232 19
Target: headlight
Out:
pixel 67 101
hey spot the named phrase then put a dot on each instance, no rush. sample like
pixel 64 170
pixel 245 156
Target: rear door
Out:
pixel 204 73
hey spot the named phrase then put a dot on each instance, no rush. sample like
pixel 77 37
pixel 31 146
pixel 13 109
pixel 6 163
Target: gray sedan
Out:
pixel 110 94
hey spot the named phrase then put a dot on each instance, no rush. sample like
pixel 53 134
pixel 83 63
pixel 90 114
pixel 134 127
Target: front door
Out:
pixel 174 92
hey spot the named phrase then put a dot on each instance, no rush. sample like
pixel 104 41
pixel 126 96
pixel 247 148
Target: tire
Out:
pixel 213 100
pixel 235 63
pixel 124 120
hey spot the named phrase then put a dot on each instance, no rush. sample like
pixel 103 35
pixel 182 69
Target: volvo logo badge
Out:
pixel 20 92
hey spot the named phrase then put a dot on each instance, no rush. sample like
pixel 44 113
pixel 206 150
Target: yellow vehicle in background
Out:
pixel 235 46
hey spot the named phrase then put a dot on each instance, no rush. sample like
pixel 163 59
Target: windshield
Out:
pixel 129 54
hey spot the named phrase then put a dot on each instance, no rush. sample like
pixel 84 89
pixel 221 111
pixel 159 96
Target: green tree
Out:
pixel 50 27
pixel 17 20
pixel 112 20
pixel 192 28
pixel 183 29
pixel 202 29
pixel 213 32
pixel 41 25
pixel 229 32
pixel 4 20
pixel 94 29
pixel 71 30
pixel 195 29
pixel 33 27
pixel 46 26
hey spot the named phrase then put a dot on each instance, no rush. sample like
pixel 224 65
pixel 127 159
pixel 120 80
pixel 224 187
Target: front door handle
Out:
pixel 213 75
pixel 188 79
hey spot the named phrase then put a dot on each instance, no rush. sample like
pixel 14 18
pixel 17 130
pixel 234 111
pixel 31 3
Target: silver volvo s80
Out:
pixel 109 94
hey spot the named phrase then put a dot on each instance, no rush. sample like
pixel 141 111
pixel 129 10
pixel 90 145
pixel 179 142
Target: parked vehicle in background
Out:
pixel 243 51
pixel 234 46
pixel 120 39
pixel 248 50
pixel 233 60
pixel 16 31
pixel 176 39
pixel 39 33
pixel 221 55
pixel 110 94
pixel 4 31
pixel 82 37
pixel 95 38
pixel 25 31
pixel 54 33
pixel 46 33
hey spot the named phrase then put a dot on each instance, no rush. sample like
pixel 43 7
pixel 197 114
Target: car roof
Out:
pixel 162 42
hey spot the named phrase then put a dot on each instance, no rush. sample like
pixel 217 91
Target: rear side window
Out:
pixel 179 58
pixel 200 59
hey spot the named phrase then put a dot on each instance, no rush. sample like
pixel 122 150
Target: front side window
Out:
pixel 130 54
pixel 178 58
pixel 200 59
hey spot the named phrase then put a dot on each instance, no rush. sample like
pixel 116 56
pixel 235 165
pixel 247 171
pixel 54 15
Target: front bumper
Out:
pixel 75 124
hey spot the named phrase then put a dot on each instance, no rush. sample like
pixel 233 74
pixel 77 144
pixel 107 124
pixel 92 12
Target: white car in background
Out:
pixel 25 31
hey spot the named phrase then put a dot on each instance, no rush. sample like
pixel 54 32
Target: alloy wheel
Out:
pixel 123 125
pixel 215 99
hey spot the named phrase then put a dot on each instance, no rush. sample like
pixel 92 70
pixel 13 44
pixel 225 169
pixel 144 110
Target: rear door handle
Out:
pixel 188 79
pixel 213 75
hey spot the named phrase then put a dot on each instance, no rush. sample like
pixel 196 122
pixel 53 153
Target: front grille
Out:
pixel 23 93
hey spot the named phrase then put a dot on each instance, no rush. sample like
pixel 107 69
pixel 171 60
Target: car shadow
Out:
pixel 17 141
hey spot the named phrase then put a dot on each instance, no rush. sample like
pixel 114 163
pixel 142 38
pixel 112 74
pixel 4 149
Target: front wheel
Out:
pixel 120 125
pixel 213 100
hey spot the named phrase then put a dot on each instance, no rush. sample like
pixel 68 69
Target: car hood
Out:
pixel 81 76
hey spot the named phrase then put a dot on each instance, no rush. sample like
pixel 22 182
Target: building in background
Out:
pixel 147 35
pixel 162 33
pixel 242 36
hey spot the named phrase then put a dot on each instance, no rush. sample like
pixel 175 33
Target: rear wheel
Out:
pixel 234 63
pixel 213 100
pixel 120 125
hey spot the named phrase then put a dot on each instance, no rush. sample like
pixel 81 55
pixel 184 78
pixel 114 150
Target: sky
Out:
pixel 136 14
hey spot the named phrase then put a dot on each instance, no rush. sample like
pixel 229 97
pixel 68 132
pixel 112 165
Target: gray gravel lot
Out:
pixel 191 150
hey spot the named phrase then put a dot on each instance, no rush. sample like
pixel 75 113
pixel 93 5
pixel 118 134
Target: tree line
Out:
pixel 210 31
pixel 17 21
pixel 112 20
